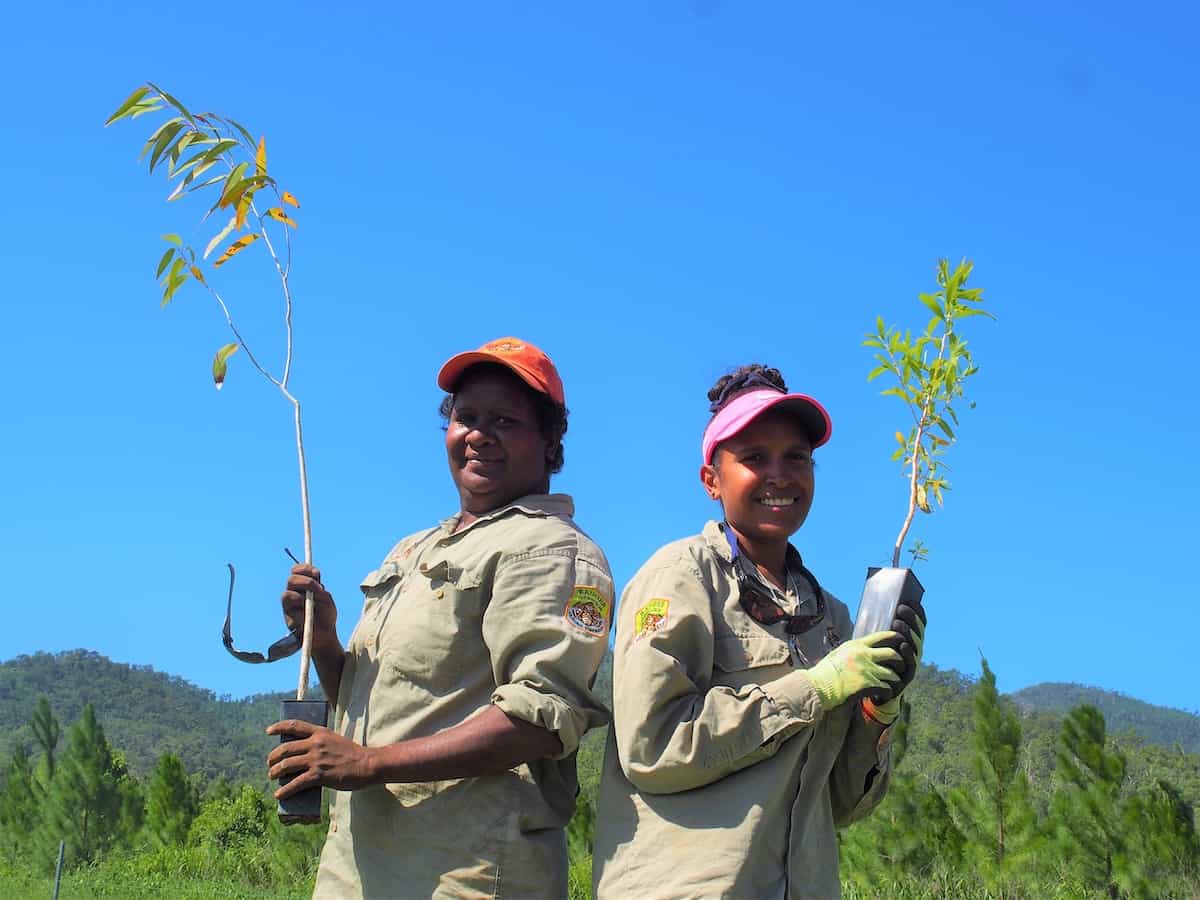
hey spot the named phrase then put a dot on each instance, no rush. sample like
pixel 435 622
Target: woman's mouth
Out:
pixel 776 502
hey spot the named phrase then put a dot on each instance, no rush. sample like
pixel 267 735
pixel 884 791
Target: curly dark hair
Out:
pixel 551 416
pixel 742 379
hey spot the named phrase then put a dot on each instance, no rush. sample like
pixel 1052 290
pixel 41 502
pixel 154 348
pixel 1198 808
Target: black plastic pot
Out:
pixel 885 589
pixel 303 808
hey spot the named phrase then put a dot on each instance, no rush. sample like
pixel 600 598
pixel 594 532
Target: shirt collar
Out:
pixel 530 504
pixel 719 544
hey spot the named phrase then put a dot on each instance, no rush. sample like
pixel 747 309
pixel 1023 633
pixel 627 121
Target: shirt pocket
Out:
pixel 433 637
pixel 740 659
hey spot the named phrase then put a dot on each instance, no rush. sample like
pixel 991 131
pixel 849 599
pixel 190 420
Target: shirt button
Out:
pixel 370 641
pixel 440 593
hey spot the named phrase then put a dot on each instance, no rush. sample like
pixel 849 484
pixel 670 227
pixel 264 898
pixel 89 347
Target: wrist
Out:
pixel 883 714
pixel 823 687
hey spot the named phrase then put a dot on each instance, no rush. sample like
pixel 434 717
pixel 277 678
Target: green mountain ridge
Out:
pixel 146 713
pixel 1161 725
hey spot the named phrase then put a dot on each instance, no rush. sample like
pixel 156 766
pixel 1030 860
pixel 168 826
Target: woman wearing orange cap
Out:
pixel 740 739
pixel 464 690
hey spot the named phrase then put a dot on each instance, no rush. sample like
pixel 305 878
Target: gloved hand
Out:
pixel 909 628
pixel 853 667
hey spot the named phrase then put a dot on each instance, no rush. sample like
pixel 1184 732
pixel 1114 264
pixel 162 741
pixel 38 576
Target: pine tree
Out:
pixel 20 813
pixel 46 731
pixel 1167 826
pixel 996 814
pixel 1096 831
pixel 91 801
pixel 171 802
pixel 911 833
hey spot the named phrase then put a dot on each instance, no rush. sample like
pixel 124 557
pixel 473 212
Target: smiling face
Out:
pixel 494 444
pixel 763 476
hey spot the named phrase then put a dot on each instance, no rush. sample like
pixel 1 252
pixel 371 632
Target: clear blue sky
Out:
pixel 654 193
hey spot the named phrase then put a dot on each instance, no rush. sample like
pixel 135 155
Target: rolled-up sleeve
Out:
pixel 546 628
pixel 674 729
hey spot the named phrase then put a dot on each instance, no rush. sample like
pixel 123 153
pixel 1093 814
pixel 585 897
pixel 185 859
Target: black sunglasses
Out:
pixel 761 606
pixel 281 649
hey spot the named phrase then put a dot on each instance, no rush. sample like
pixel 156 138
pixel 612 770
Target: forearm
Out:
pixel 862 773
pixel 486 744
pixel 695 740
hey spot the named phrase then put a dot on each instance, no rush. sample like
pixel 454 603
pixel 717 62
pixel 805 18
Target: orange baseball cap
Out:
pixel 533 366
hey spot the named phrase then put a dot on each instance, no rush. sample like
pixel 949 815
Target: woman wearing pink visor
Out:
pixel 740 738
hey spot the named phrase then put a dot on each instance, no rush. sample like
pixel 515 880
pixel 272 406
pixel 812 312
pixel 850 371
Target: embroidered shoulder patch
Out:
pixel 650 617
pixel 588 610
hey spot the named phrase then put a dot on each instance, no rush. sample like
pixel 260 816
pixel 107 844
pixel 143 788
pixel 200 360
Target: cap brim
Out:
pixel 452 370
pixel 811 414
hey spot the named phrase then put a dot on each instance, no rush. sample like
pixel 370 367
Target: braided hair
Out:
pixel 754 376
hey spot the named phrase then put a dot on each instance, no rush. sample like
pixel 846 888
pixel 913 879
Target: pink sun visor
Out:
pixel 745 408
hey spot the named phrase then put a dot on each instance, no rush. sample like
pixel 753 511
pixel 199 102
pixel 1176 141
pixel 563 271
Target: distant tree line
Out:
pixel 1089 830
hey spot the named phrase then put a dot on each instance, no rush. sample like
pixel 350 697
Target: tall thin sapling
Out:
pixel 205 153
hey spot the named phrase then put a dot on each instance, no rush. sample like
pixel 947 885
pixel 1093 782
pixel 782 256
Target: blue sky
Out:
pixel 653 193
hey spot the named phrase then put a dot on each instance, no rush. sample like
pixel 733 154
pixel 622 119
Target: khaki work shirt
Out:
pixel 512 611
pixel 723 775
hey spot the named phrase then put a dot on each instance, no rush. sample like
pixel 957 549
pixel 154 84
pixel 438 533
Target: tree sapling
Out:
pixel 205 153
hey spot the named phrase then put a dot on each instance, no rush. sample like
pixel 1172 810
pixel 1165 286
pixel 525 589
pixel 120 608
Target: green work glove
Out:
pixel 853 667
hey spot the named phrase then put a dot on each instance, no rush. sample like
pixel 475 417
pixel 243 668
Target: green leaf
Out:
pixel 931 302
pixel 176 268
pixel 224 233
pixel 164 141
pixel 232 180
pixel 946 430
pixel 896 392
pixel 158 132
pixel 175 103
pixel 127 106
pixel 173 239
pixel 173 285
pixel 220 361
pixel 200 141
pixel 162 263
pixel 244 133
pixel 877 371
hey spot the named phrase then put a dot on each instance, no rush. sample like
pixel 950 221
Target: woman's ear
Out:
pixel 711 479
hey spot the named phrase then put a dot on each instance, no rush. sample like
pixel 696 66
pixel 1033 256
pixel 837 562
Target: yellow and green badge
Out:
pixel 588 610
pixel 650 617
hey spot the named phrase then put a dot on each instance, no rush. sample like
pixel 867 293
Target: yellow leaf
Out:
pixel 290 199
pixel 260 158
pixel 277 213
pixel 243 208
pixel 197 274
pixel 233 249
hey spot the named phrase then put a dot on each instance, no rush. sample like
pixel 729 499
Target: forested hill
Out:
pixel 144 713
pixel 1154 724
pixel 147 713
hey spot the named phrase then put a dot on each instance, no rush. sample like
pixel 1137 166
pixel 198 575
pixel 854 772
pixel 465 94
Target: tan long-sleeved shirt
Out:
pixel 512 611
pixel 723 775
